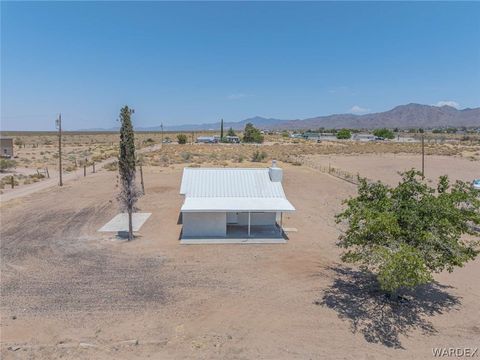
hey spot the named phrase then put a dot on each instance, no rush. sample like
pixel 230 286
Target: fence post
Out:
pixel 85 169
pixel 13 182
pixel 141 179
pixel 48 174
pixel 93 167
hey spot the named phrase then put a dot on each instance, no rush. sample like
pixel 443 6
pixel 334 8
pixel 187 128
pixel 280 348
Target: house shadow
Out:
pixel 357 298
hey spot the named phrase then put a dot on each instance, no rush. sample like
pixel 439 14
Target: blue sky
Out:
pixel 180 63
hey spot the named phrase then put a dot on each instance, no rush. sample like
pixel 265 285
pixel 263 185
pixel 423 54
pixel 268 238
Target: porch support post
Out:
pixel 249 224
pixel 281 220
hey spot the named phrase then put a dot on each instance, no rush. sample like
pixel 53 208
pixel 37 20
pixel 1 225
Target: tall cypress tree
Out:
pixel 221 130
pixel 129 193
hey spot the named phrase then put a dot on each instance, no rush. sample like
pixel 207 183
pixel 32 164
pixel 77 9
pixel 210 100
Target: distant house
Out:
pixel 233 205
pixel 315 136
pixel 364 137
pixel 308 135
pixel 206 139
pixel 233 139
pixel 6 145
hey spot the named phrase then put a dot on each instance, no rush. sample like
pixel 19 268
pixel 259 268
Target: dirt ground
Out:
pixel 386 167
pixel 73 293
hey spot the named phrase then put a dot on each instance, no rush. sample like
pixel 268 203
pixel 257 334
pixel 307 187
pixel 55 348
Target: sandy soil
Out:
pixel 386 167
pixel 71 292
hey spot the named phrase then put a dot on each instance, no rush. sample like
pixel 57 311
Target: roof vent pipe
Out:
pixel 276 174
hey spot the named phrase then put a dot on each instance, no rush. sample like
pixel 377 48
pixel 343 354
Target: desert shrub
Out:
pixel 113 166
pixel 36 177
pixel 98 158
pixel 182 138
pixel 7 164
pixel 185 156
pixel 259 156
pixel 7 181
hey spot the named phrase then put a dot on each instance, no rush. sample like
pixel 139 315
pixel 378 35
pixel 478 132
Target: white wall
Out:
pixel 204 224
pixel 266 218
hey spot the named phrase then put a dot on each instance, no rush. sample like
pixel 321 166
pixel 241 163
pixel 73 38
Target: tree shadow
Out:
pixel 356 296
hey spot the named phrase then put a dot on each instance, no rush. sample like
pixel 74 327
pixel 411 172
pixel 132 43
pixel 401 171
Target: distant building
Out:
pixel 207 139
pixel 233 139
pixel 310 135
pixel 6 144
pixel 315 136
pixel 364 137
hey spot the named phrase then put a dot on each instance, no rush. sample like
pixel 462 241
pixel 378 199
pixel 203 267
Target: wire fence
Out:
pixel 331 170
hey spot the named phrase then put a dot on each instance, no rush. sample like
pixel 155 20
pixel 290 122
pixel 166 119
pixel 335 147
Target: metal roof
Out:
pixel 232 189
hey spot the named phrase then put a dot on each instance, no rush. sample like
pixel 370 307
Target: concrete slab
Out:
pixel 120 222
pixel 231 241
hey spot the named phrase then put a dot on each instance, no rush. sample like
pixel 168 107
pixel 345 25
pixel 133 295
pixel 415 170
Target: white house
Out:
pixel 233 205
pixel 364 137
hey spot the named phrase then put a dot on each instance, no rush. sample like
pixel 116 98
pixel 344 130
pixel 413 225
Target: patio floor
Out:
pixel 236 234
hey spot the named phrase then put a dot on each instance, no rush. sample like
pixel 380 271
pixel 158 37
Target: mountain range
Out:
pixel 403 117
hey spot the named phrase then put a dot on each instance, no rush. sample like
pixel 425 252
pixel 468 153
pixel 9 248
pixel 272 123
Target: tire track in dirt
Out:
pixel 51 265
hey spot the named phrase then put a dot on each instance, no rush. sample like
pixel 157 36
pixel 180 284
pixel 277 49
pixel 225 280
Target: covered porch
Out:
pixel 233 220
pixel 233 227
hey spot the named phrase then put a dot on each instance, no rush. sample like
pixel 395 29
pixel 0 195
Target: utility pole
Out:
pixel 59 127
pixel 161 127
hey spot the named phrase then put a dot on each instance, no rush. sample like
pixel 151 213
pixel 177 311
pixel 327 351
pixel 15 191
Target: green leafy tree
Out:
pixel 182 138
pixel 231 132
pixel 384 133
pixel 251 134
pixel 129 193
pixel 344 134
pixel 406 233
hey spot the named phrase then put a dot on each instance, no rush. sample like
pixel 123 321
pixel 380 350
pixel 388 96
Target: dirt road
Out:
pixel 24 190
